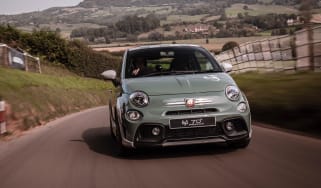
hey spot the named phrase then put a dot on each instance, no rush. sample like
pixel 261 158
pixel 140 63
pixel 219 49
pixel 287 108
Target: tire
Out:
pixel 118 150
pixel 243 143
pixel 110 124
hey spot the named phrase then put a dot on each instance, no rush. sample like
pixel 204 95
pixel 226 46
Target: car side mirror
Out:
pixel 227 67
pixel 111 75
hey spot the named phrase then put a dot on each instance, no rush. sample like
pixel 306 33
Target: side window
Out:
pixel 203 61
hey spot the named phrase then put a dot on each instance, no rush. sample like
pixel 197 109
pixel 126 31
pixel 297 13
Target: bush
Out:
pixel 229 45
pixel 75 55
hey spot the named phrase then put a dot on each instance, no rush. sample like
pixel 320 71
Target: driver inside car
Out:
pixel 140 67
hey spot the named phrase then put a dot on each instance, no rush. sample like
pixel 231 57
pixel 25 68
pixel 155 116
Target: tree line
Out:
pixel 128 27
pixel 48 45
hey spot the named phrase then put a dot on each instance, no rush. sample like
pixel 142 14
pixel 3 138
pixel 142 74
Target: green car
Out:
pixel 171 95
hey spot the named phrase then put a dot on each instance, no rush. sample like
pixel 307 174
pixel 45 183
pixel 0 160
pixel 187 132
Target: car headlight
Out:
pixel 232 93
pixel 139 99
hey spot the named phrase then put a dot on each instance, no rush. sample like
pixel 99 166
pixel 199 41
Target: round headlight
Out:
pixel 139 99
pixel 232 93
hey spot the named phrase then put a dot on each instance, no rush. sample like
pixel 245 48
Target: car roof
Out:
pixel 162 46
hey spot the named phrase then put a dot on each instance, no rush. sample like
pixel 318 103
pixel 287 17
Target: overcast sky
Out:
pixel 20 6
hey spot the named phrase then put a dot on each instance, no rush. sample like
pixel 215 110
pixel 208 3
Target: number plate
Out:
pixel 192 122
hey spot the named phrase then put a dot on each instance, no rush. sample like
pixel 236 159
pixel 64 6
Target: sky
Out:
pixel 22 6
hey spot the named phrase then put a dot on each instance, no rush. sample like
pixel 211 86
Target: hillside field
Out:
pixel 35 99
pixel 255 10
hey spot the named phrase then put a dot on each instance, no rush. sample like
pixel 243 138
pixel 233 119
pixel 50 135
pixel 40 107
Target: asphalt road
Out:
pixel 76 151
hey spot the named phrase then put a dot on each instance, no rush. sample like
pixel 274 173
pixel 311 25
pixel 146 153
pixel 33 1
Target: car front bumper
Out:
pixel 188 136
pixel 163 109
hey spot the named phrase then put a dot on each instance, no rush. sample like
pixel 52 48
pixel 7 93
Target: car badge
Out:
pixel 189 103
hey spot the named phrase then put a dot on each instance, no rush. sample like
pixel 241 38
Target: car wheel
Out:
pixel 110 123
pixel 111 129
pixel 243 143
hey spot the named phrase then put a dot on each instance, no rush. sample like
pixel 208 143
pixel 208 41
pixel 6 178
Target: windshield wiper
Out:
pixel 169 73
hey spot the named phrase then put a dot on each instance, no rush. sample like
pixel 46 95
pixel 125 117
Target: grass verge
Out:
pixel 34 98
pixel 289 101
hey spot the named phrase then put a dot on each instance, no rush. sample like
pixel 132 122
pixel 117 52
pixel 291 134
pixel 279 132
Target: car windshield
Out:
pixel 164 61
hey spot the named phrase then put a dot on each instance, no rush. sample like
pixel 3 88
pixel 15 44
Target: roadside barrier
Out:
pixel 3 128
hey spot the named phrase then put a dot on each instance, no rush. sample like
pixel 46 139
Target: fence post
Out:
pixel 38 63
pixel 3 128
pixel 25 56
pixel 5 55
pixel 311 46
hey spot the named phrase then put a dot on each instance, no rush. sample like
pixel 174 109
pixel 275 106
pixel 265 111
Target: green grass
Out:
pixel 287 100
pixel 255 10
pixel 265 33
pixel 37 98
pixel 171 19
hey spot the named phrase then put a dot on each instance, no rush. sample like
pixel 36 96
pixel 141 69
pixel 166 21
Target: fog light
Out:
pixel 156 131
pixel 229 126
pixel 133 115
pixel 242 107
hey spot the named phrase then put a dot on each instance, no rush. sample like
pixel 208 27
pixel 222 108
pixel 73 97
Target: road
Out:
pixel 76 151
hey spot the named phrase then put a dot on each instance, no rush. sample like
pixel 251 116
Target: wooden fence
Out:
pixel 289 53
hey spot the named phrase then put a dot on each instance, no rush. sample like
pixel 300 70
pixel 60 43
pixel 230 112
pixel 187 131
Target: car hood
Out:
pixel 179 84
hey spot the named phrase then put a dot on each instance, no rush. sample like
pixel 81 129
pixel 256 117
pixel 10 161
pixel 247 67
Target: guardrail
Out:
pixel 284 53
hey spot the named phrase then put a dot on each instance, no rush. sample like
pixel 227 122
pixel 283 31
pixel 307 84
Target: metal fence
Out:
pixel 10 57
pixel 288 53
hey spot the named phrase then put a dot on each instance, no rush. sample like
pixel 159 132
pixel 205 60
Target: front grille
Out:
pixel 191 133
pixel 191 111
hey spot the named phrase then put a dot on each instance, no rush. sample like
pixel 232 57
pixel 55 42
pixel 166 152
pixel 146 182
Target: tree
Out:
pixel 245 7
pixel 305 10
pixel 155 36
pixel 223 16
pixel 240 15
pixel 229 45
pixel 167 27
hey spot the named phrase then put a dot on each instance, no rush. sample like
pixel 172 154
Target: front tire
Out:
pixel 118 149
pixel 111 123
